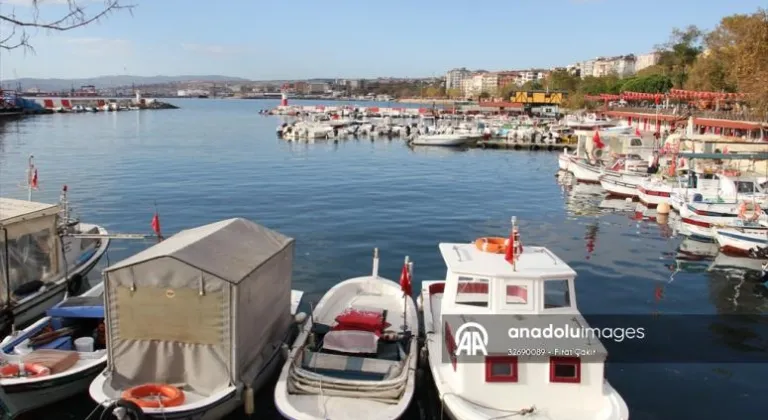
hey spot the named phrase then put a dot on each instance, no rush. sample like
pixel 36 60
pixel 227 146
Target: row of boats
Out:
pixel 194 325
pixel 715 202
pixel 107 107
pixel 431 131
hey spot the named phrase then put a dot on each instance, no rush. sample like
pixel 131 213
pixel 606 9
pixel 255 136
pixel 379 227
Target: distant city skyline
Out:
pixel 349 40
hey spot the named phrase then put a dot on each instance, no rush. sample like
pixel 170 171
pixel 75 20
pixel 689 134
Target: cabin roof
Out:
pixel 13 210
pixel 534 262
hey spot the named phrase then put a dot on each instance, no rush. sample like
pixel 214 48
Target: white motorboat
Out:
pixel 197 323
pixel 742 241
pixel 585 171
pixel 56 357
pixel 698 218
pixel 564 159
pixel 474 378
pixel 356 357
pixel 444 140
pixel 45 257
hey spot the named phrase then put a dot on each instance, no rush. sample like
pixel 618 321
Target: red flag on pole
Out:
pixel 509 255
pixel 637 132
pixel 33 181
pixel 405 280
pixel 156 226
pixel 597 141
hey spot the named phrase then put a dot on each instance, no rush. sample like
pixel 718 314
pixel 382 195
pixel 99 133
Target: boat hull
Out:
pixel 617 187
pixel 741 241
pixel 442 140
pixel 22 398
pixel 584 172
pixel 333 400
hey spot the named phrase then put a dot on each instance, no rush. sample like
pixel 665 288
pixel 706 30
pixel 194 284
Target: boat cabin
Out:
pixel 30 247
pixel 521 371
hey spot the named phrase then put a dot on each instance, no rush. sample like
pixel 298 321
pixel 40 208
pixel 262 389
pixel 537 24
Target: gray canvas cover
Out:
pixel 204 308
pixel 33 250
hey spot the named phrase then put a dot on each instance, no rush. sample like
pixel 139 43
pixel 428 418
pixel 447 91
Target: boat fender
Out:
pixel 28 288
pixel 249 401
pixel 74 284
pixel 124 409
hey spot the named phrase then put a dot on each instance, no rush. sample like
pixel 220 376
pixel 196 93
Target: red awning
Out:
pixel 651 117
pixel 501 104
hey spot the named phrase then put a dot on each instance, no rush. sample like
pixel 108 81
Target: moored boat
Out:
pixel 197 323
pixel 56 357
pixel 445 140
pixel 742 241
pixel 356 356
pixel 44 259
pixel 498 278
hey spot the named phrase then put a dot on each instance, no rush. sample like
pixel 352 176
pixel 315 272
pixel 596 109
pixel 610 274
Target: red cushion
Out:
pixel 352 319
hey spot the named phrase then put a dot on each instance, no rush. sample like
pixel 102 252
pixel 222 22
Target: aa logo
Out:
pixel 472 338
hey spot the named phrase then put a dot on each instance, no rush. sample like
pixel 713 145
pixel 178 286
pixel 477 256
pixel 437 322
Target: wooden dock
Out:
pixel 520 145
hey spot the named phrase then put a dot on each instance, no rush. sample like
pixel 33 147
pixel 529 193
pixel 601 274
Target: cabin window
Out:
pixel 565 370
pixel 501 369
pixel 635 142
pixel 745 187
pixel 450 345
pixel 516 293
pixel 556 294
pixel 472 291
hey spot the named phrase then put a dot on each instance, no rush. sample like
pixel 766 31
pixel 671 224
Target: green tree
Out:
pixel 680 52
pixel 655 83
pixel 532 85
pixel 454 93
pixel 484 95
pixel 563 80
pixel 507 91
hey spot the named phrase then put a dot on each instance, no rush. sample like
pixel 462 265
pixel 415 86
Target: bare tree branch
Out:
pixel 76 17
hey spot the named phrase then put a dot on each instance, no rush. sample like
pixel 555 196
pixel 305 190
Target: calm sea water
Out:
pixel 216 159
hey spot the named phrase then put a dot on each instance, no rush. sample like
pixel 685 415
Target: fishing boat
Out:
pixel 44 258
pixel 698 218
pixel 56 357
pixel 356 357
pixel 514 285
pixel 444 140
pixel 742 241
pixel 197 323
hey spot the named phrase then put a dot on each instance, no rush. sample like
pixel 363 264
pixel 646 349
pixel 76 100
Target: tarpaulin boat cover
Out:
pixel 205 307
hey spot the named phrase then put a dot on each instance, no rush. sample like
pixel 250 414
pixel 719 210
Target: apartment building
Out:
pixel 526 76
pixel 646 60
pixel 455 77
pixel 622 66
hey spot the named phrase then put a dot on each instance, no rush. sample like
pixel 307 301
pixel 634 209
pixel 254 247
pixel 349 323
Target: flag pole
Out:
pixel 30 167
pixel 405 296
pixel 410 281
pixel 514 243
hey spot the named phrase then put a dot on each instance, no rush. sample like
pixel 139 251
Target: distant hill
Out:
pixel 112 81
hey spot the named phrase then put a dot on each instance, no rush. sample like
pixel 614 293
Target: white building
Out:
pixel 473 85
pixel 646 60
pixel 622 66
pixel 526 76
pixel 489 82
pixel 587 68
pixel 455 77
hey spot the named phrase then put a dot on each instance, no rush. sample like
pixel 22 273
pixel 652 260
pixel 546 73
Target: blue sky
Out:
pixel 261 39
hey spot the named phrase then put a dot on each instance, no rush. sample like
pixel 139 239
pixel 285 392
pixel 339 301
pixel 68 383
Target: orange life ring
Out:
pixel 494 245
pixel 154 395
pixel 31 370
pixel 756 212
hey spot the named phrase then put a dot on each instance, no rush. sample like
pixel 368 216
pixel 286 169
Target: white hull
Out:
pixel 318 396
pixel 26 394
pixel 617 186
pixel 564 160
pixel 584 172
pixel 654 192
pixel 32 307
pixel 445 140
pixel 741 241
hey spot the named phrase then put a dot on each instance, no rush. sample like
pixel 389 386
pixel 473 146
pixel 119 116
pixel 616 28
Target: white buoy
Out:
pixel 663 208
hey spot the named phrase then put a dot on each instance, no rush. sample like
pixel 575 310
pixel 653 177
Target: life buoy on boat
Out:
pixel 494 245
pixel 31 370
pixel 756 212
pixel 154 395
